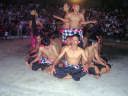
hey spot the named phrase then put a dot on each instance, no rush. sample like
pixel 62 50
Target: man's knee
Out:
pixel 60 72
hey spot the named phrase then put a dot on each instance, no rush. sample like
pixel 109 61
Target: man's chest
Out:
pixel 73 54
pixel 75 18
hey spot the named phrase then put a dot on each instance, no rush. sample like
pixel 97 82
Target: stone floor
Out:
pixel 17 80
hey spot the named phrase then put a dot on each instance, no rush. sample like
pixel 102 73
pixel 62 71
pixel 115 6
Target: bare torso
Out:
pixel 75 20
pixel 73 56
pixel 57 43
pixel 50 52
pixel 66 26
pixel 90 54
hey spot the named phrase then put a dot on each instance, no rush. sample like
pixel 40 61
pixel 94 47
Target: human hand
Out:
pixel 94 21
pixel 85 68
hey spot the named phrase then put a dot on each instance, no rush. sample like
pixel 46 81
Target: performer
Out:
pixel 96 64
pixel 65 23
pixel 72 67
pixel 46 55
pixel 35 24
pixel 75 20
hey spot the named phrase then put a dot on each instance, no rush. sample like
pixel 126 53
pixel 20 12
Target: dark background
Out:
pixel 87 3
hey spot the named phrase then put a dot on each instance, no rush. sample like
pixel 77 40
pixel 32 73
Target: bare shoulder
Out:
pixel 66 47
pixel 86 49
pixel 53 45
pixel 68 15
pixel 81 49
pixel 41 47
pixel 80 14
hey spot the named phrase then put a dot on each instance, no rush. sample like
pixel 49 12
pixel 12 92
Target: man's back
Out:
pixel 90 53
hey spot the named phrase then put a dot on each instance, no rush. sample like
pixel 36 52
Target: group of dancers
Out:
pixel 73 55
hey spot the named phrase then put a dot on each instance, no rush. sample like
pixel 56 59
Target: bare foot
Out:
pixel 68 77
pixel 97 76
pixel 28 65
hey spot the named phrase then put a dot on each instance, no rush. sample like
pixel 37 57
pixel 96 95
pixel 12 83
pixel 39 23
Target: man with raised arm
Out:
pixel 72 67
pixel 46 55
pixel 75 20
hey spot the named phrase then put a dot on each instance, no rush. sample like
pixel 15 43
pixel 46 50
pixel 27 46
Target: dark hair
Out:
pixel 54 35
pixel 68 37
pixel 91 41
pixel 45 41
pixel 77 35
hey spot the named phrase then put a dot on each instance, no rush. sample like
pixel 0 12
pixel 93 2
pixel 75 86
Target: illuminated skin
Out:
pixel 76 18
pixel 57 42
pixel 68 41
pixel 35 50
pixel 73 54
pixel 66 8
pixel 65 22
pixel 49 52
pixel 92 54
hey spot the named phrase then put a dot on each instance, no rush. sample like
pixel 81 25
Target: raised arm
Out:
pixel 59 18
pixel 83 22
pixel 87 22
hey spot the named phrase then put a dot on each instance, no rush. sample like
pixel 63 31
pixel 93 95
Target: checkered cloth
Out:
pixel 44 60
pixel 71 32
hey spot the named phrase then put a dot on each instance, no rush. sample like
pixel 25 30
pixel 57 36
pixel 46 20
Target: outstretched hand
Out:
pixel 94 21
pixel 85 68
pixel 55 16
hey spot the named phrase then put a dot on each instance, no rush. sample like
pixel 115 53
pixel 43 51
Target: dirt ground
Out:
pixel 17 80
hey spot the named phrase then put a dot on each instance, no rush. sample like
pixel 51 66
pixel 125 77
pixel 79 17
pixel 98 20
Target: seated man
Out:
pixel 46 55
pixel 72 67
pixel 33 51
pixel 96 65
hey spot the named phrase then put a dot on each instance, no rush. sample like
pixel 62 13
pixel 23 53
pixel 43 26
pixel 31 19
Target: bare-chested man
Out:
pixel 46 55
pixel 65 22
pixel 35 24
pixel 72 67
pixel 96 65
pixel 76 20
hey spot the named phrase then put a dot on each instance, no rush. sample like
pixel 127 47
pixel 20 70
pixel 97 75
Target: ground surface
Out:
pixel 17 80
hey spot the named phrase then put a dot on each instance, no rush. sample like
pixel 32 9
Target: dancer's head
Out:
pixel 68 40
pixel 46 41
pixel 34 12
pixel 75 39
pixel 92 42
pixel 38 38
pixel 76 7
pixel 66 7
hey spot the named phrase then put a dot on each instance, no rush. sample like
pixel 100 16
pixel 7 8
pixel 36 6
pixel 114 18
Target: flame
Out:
pixel 76 1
